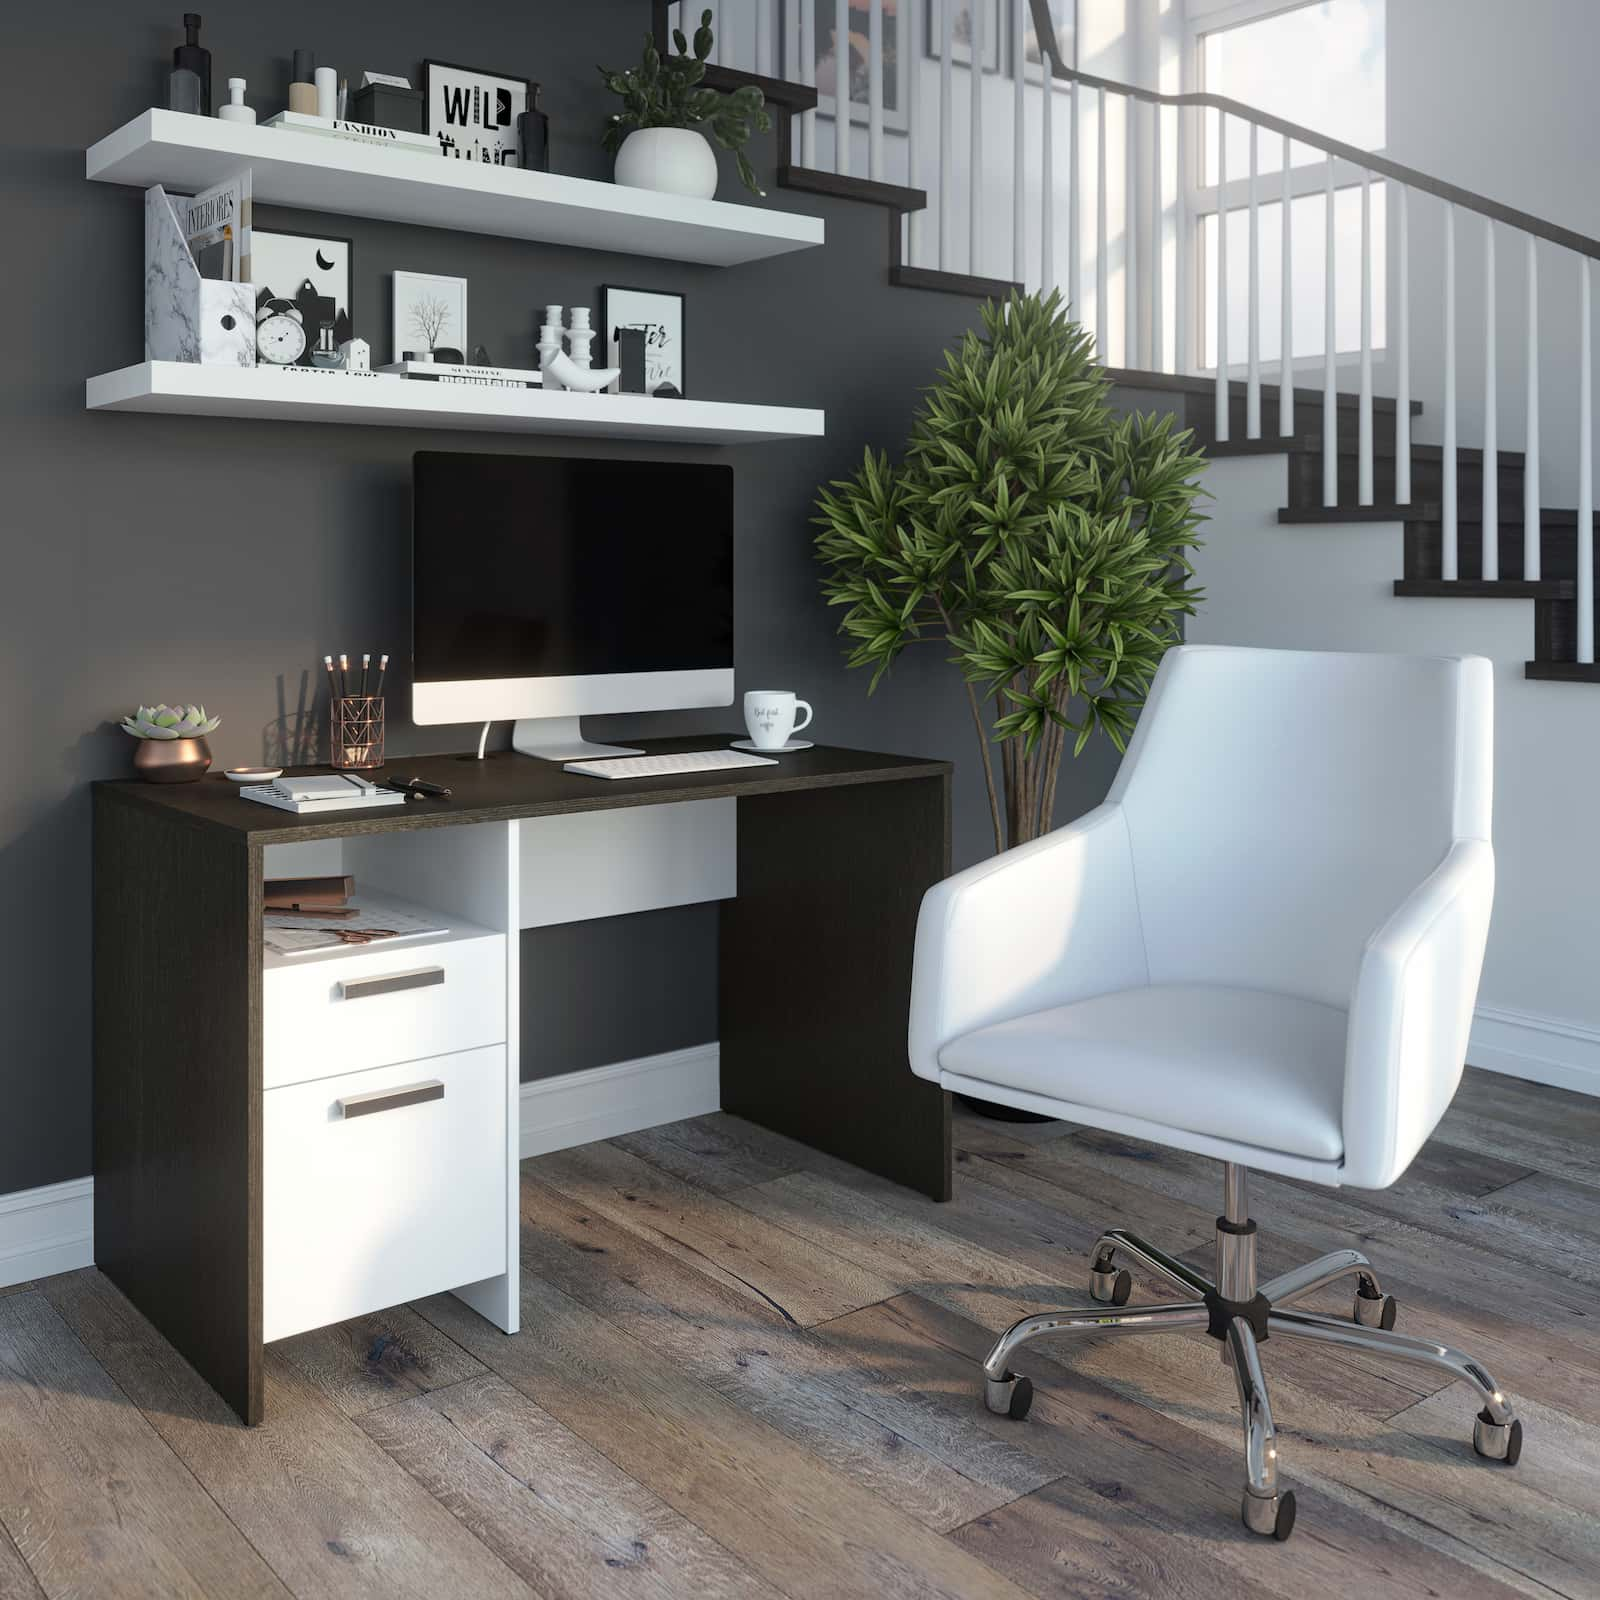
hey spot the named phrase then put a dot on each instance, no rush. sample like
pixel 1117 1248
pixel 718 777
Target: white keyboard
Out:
pixel 667 766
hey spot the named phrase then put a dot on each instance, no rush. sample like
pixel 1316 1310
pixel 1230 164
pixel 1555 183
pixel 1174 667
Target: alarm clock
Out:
pixel 280 333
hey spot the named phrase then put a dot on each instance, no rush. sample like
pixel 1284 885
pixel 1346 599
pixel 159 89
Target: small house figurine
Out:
pixel 355 355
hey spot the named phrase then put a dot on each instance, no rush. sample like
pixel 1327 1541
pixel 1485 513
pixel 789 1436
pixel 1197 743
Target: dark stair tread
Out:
pixel 1562 671
pixel 779 92
pixel 1429 511
pixel 1187 383
pixel 1310 444
pixel 1485 588
pixel 952 282
pixel 842 186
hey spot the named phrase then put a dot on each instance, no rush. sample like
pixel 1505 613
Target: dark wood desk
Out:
pixel 835 850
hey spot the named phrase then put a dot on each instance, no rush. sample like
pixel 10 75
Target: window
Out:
pixel 1321 65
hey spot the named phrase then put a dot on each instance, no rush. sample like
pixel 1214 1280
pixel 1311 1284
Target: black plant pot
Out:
pixel 986 1108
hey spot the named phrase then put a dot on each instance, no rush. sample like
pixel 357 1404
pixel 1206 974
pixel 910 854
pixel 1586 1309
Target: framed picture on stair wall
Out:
pixel 962 28
pixel 1064 14
pixel 659 316
pixel 826 66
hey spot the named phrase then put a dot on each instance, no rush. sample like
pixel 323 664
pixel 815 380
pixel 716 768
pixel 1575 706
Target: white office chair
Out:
pixel 1264 947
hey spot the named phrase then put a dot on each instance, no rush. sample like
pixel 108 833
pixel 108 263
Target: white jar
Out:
pixel 669 160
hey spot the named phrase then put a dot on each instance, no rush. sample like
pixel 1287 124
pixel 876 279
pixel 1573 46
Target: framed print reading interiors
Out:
pixel 473 114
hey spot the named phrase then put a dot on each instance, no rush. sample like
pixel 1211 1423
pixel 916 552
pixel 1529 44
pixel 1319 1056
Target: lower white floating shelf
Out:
pixel 183 388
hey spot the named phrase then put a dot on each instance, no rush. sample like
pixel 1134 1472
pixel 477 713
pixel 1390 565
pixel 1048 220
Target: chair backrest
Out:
pixel 1282 803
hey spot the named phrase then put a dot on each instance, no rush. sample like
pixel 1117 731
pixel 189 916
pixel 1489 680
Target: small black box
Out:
pixel 383 105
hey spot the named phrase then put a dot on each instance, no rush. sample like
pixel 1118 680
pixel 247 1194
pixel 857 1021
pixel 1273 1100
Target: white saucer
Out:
pixel 254 774
pixel 780 750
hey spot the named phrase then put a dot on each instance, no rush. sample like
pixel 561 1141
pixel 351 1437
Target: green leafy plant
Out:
pixel 665 92
pixel 170 722
pixel 1043 539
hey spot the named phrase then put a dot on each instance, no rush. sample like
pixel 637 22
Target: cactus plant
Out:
pixel 170 722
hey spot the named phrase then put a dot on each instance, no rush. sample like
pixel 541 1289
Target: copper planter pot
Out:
pixel 171 760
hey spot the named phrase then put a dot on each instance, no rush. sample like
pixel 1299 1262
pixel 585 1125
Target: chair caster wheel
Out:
pixel 1269 1514
pixel 1009 1396
pixel 1110 1288
pixel 1497 1441
pixel 1376 1310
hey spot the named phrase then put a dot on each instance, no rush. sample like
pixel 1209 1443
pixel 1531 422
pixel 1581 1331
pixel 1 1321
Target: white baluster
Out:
pixel 1130 233
pixel 763 63
pixel 1252 381
pixel 1074 188
pixel 1330 339
pixel 1491 416
pixel 1448 559
pixel 1222 278
pixel 975 184
pixel 875 90
pixel 1047 182
pixel 717 56
pixel 808 76
pixel 1102 316
pixel 1585 469
pixel 1531 539
pixel 1364 409
pixel 1402 380
pixel 1019 152
pixel 911 43
pixel 1286 304
pixel 1158 235
pixel 947 136
pixel 841 86
pixel 1182 288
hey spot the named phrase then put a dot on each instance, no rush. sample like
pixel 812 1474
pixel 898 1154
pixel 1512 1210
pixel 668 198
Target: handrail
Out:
pixel 1044 28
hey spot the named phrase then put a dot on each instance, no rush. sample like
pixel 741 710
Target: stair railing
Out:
pixel 787 38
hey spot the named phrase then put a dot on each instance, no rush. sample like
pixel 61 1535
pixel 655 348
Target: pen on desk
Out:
pixel 366 662
pixel 383 667
pixel 344 674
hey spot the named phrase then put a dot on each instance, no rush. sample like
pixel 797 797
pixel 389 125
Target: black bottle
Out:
pixel 189 88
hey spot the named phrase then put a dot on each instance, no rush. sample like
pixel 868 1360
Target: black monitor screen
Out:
pixel 540 566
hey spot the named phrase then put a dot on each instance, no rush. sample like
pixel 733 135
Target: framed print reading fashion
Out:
pixel 660 315
pixel 473 114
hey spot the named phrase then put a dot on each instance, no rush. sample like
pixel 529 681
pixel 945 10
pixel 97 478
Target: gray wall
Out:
pixel 161 558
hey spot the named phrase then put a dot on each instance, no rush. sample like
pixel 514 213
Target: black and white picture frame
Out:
pixel 825 69
pixel 473 114
pixel 312 272
pixel 961 24
pixel 430 314
pixel 659 313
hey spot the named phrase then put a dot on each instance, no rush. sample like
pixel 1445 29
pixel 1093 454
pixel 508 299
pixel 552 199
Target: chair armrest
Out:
pixel 1052 921
pixel 1411 1013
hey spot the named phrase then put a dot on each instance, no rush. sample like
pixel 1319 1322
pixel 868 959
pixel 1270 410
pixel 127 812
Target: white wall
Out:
pixel 1330 587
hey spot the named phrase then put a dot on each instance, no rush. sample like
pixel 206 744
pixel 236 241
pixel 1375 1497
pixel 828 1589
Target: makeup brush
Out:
pixel 333 682
pixel 383 667
pixel 344 675
pixel 366 662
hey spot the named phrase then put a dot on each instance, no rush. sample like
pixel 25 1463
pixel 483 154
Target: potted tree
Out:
pixel 1034 534
pixel 656 136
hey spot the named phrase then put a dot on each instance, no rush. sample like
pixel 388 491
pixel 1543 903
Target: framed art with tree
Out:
pixel 430 315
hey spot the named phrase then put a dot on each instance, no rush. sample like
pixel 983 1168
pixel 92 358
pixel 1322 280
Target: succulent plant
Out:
pixel 170 722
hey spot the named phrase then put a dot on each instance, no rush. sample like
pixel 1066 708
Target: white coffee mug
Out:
pixel 770 715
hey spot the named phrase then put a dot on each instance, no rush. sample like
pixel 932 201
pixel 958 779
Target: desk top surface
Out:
pixel 507 786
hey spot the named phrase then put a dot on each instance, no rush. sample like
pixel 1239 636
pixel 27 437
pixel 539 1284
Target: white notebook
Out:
pixel 336 793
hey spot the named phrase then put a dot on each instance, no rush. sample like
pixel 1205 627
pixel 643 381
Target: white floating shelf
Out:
pixel 181 388
pixel 187 153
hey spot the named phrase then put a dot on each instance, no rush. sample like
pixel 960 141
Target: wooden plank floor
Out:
pixel 749 1370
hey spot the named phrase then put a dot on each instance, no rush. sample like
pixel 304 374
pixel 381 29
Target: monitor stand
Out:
pixel 561 739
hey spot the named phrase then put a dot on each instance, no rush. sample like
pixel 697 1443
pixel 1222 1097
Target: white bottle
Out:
pixel 236 110
pixel 327 82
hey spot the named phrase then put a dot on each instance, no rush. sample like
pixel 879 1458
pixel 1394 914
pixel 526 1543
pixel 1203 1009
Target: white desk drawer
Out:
pixel 382 1186
pixel 335 1014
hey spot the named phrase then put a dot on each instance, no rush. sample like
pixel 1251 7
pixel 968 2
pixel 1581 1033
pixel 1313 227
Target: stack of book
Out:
pixel 359 132
pixel 342 792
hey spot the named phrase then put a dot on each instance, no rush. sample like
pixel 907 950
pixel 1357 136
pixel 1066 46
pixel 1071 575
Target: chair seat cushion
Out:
pixel 1241 1064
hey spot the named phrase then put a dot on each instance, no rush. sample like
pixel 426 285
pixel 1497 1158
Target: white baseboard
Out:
pixel 1549 1050
pixel 46 1230
pixel 625 1097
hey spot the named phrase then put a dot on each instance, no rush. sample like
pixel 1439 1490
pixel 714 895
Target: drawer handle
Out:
pixel 390 983
pixel 410 1094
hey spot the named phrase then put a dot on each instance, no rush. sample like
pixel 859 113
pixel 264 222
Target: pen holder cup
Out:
pixel 356 733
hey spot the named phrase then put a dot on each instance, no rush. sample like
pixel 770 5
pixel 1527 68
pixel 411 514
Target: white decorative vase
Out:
pixel 670 160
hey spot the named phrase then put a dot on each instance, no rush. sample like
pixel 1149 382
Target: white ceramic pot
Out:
pixel 670 160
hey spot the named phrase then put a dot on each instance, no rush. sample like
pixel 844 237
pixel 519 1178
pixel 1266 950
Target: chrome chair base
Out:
pixel 1241 1315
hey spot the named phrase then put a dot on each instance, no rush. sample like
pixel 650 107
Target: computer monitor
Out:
pixel 545 588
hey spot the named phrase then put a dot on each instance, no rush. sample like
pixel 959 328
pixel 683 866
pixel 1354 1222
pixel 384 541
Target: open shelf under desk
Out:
pixel 313 171
pixel 447 929
pixel 183 388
